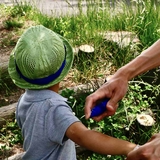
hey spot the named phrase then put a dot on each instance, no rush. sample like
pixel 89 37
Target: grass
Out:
pixel 141 18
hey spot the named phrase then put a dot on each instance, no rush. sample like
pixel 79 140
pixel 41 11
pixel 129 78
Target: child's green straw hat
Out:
pixel 40 59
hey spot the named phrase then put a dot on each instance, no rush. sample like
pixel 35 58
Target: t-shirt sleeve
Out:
pixel 58 119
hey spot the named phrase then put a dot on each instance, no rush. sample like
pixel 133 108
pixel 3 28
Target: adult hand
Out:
pixel 148 151
pixel 114 89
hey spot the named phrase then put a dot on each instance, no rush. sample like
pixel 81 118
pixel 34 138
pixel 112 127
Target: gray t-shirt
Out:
pixel 44 117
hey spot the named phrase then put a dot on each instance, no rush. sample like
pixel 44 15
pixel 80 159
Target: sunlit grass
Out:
pixel 91 27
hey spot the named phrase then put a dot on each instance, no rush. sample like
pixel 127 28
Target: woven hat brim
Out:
pixel 20 82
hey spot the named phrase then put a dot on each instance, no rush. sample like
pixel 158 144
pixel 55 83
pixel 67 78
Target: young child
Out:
pixel 40 60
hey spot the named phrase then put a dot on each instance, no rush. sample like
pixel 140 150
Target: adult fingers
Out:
pixel 92 100
pixel 145 152
pixel 90 103
pixel 135 155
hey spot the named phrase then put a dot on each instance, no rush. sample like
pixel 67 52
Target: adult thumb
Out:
pixel 112 105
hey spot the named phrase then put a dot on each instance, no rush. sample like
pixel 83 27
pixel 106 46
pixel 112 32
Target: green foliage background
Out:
pixel 141 18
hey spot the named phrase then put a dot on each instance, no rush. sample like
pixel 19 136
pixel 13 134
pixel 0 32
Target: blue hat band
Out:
pixel 45 80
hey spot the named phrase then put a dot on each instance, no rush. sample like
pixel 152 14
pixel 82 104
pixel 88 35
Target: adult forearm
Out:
pixel 148 59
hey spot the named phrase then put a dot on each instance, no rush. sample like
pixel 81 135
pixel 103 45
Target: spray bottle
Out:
pixel 99 108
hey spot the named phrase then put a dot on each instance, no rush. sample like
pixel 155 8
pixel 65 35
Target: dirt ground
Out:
pixel 8 93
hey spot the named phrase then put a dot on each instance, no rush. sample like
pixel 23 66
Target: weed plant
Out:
pixel 89 27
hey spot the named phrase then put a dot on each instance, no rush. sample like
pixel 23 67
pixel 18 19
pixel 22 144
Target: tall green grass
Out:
pixel 140 17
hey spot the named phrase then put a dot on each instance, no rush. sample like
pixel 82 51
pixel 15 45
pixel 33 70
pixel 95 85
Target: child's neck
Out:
pixel 54 88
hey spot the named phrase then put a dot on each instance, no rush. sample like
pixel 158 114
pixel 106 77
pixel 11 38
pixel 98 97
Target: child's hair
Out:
pixel 40 59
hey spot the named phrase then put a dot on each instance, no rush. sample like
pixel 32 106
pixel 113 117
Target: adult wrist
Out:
pixel 123 72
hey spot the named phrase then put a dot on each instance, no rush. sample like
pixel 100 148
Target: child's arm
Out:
pixel 98 142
